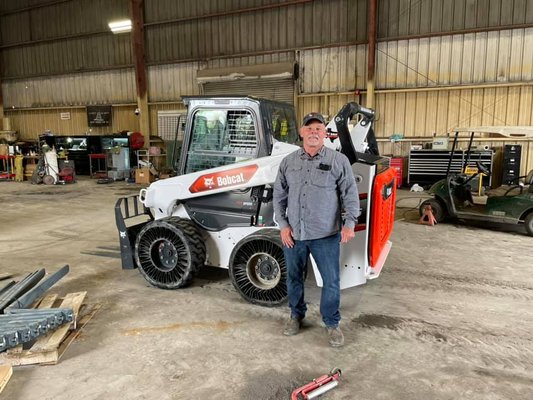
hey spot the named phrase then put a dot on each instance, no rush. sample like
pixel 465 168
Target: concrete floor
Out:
pixel 449 318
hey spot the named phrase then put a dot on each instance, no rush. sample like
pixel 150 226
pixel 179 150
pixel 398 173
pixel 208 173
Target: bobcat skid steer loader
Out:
pixel 218 210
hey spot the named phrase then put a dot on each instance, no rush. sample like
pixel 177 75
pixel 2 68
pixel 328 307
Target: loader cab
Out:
pixel 226 130
pixel 223 131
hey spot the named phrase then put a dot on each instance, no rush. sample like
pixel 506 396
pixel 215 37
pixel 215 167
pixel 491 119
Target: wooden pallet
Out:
pixel 5 374
pixel 48 349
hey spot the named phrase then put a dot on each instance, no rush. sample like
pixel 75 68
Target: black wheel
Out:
pixel 436 208
pixel 529 224
pixel 257 268
pixel 49 180
pixel 169 252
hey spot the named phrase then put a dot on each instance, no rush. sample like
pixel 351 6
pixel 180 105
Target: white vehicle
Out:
pixel 218 211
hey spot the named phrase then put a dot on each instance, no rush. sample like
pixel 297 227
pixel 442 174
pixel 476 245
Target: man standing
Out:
pixel 316 205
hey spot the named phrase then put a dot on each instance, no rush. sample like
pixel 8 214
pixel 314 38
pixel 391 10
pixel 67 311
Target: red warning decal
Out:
pixel 228 178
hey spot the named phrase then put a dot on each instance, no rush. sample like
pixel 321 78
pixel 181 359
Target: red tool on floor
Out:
pixel 427 217
pixel 318 387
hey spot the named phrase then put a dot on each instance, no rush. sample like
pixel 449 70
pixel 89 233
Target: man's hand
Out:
pixel 347 234
pixel 286 237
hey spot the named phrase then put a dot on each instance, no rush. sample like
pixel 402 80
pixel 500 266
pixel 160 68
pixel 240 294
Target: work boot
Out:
pixel 335 337
pixel 292 327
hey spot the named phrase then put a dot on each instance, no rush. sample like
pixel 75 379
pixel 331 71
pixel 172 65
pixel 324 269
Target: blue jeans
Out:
pixel 326 252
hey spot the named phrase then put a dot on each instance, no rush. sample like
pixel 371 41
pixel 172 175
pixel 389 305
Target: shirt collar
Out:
pixel 303 154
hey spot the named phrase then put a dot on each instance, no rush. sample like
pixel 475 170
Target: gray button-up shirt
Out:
pixel 310 192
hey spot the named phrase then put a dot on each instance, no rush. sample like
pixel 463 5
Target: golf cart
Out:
pixel 452 196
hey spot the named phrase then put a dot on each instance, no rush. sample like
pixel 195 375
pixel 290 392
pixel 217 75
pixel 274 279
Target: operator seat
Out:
pixel 528 181
pixel 513 190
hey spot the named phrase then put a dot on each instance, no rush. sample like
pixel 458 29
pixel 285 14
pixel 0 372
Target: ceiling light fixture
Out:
pixel 121 26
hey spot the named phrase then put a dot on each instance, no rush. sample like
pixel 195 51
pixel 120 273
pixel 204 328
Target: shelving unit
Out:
pixel 7 170
pixel 145 155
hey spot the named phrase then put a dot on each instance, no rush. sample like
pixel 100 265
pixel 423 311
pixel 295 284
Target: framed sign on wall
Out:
pixel 99 115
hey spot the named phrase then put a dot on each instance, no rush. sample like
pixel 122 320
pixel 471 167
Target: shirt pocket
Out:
pixel 321 178
pixel 294 175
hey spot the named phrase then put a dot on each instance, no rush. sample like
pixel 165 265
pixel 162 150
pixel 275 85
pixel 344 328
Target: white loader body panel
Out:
pixel 162 196
pixel 354 264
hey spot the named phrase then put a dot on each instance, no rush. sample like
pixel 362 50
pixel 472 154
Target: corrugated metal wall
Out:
pixel 62 54
pixel 206 29
pixel 423 113
pixel 413 17
pixel 171 81
pixel 502 57
pixel 336 69
pixel 62 38
pixel 34 105
pixel 73 36
pixel 498 56
pixel 476 58
pixel 286 56
pixel 102 87
pixel 76 54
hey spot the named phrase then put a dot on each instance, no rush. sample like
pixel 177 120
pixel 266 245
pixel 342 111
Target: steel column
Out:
pixel 372 38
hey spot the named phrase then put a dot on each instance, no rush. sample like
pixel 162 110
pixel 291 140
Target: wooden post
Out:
pixel 1 108
pixel 137 41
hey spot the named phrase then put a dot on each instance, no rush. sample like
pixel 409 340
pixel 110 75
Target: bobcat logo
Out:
pixel 209 182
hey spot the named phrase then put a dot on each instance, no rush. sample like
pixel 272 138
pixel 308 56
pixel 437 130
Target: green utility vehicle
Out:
pixel 509 204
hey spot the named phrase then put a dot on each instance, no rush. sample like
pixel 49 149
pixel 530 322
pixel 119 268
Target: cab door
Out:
pixel 222 137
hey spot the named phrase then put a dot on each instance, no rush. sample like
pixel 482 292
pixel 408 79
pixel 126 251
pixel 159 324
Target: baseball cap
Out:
pixel 313 116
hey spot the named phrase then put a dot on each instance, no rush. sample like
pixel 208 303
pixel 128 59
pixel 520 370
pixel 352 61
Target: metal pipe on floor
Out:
pixel 20 288
pixel 32 295
pixel 24 325
pixel 6 287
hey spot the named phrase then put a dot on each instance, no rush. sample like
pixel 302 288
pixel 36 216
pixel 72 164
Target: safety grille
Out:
pixel 221 137
pixel 241 132
pixel 167 121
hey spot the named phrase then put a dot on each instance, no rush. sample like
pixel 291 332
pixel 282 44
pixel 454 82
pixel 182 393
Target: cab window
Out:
pixel 283 123
pixel 221 137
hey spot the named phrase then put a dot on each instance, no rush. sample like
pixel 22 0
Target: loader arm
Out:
pixel 360 139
